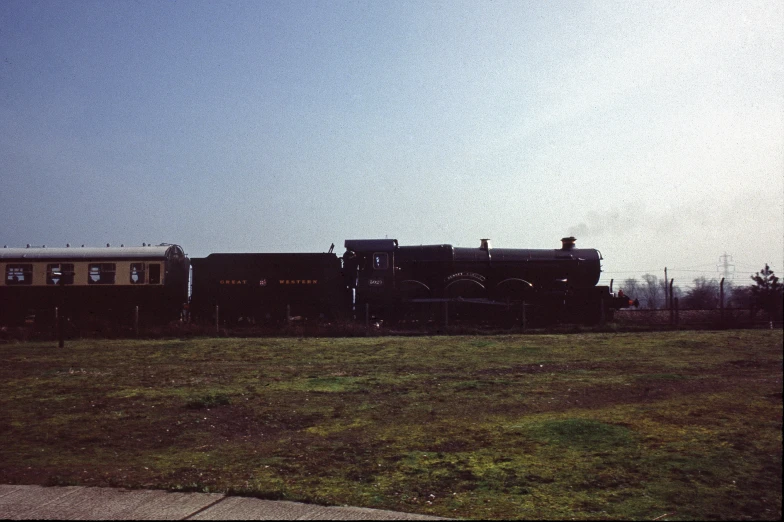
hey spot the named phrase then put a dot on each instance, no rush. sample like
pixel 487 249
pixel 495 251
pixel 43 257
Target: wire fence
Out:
pixel 691 318
pixel 685 277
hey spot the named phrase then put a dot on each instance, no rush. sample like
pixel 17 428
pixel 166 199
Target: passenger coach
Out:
pixel 89 284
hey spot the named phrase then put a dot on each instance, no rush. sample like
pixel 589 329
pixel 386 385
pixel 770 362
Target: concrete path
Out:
pixel 79 503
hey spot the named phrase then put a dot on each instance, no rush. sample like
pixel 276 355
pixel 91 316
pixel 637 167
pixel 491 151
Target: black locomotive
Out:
pixel 376 279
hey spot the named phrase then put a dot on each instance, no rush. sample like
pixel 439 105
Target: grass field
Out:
pixel 626 426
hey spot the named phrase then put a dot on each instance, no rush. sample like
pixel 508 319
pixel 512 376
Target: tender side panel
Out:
pixel 267 288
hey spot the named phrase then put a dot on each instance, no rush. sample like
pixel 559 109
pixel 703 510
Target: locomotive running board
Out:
pixel 458 300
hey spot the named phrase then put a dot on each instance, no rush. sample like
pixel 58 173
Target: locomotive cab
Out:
pixel 369 267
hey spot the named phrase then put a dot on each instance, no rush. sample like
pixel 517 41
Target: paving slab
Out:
pixel 7 489
pixel 173 506
pixel 243 508
pixel 356 513
pixel 19 501
pixel 79 503
pixel 83 503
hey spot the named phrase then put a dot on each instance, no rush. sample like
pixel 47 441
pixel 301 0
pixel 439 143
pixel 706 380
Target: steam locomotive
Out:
pixel 374 280
pixel 377 279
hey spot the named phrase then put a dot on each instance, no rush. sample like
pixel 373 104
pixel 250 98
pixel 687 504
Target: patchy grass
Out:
pixel 583 434
pixel 210 400
pixel 610 426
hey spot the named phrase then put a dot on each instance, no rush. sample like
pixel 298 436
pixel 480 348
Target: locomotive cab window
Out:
pixel 59 273
pixel 101 273
pixel 137 273
pixel 380 261
pixel 19 274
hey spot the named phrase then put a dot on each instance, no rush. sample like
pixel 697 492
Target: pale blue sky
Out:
pixel 651 131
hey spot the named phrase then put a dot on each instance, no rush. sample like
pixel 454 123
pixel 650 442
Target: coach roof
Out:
pixel 76 253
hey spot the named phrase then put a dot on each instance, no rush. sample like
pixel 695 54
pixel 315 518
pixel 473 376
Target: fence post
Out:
pixel 525 321
pixel 61 314
pixel 677 315
pixel 217 320
pixel 59 318
pixel 721 302
pixel 671 299
pixel 666 295
pixel 136 321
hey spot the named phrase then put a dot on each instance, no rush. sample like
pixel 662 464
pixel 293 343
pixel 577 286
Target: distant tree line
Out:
pixel 765 293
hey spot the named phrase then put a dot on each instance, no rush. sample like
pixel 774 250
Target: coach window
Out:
pixel 380 261
pixel 155 274
pixel 19 274
pixel 60 273
pixel 137 273
pixel 101 273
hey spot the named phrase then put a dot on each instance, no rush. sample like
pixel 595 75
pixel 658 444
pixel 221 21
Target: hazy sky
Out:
pixel 653 132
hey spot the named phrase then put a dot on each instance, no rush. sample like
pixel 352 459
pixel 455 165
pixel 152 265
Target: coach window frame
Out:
pixel 154 273
pixel 59 273
pixel 14 270
pixel 140 271
pixel 107 273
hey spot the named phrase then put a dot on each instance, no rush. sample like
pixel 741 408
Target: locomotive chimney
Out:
pixel 485 244
pixel 568 243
